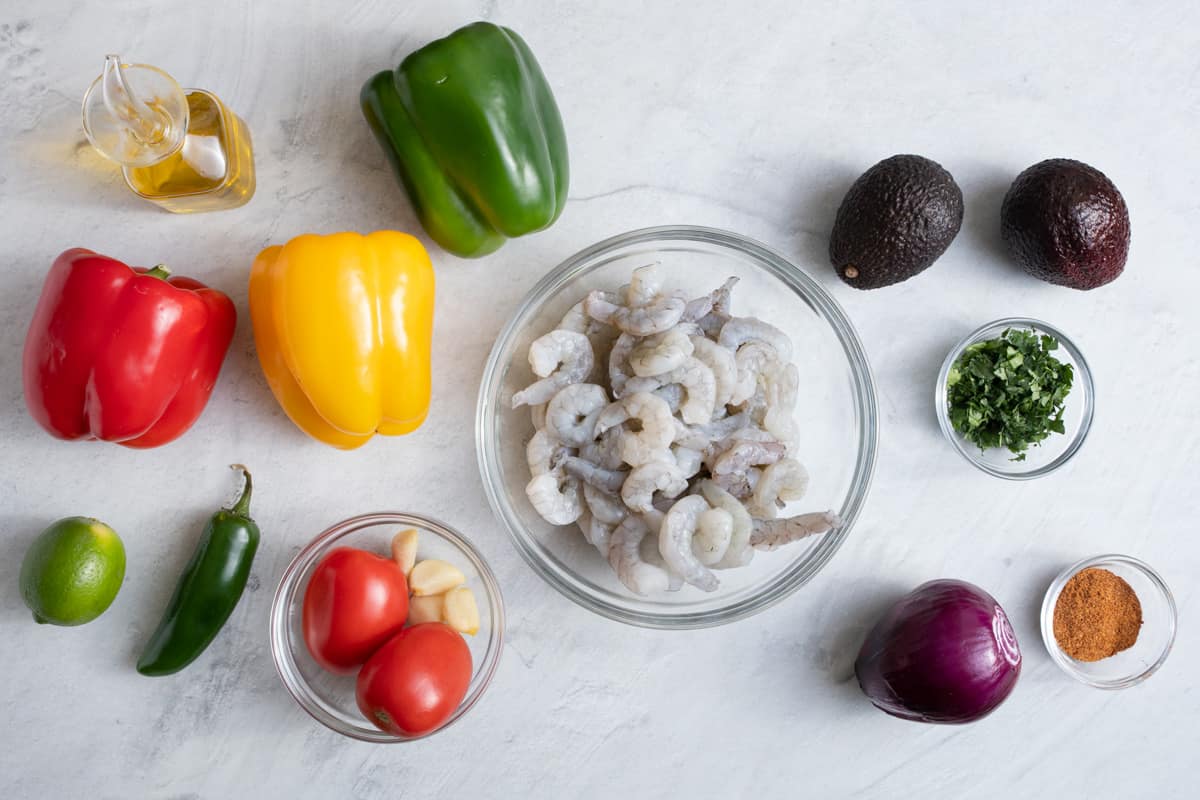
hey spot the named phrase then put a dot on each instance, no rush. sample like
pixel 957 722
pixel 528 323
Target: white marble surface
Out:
pixel 712 113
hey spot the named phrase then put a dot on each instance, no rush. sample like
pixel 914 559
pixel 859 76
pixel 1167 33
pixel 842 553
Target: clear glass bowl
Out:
pixel 836 413
pixel 1057 449
pixel 329 698
pixel 1129 667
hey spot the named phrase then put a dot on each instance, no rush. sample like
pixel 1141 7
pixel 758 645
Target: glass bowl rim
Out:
pixel 1085 384
pixel 806 289
pixel 1047 619
pixel 285 660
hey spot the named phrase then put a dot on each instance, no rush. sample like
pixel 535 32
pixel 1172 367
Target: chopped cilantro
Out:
pixel 1009 391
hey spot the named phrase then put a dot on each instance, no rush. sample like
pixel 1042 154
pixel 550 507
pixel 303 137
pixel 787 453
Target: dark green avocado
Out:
pixel 895 221
pixel 1066 223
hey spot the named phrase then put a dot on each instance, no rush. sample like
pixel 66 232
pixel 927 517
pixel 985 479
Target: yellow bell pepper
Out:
pixel 342 324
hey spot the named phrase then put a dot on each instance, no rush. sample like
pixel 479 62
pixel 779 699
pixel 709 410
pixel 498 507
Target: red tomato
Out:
pixel 355 602
pixel 415 682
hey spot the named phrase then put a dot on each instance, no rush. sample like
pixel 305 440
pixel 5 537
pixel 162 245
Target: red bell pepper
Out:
pixel 123 354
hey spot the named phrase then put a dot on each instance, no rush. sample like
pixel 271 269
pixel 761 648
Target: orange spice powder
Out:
pixel 1097 615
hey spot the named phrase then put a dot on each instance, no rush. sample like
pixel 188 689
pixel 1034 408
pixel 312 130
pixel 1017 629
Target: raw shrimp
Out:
pixel 657 426
pixel 675 542
pixel 649 547
pixel 752 361
pixel 560 358
pixel 661 353
pixel 557 500
pixel 571 414
pixel 715 301
pixel 656 476
pixel 661 314
pixel 782 386
pixel 739 551
pixel 772 533
pixel 543 453
pixel 712 322
pixel 605 451
pixel 577 320
pixel 782 482
pixel 740 484
pixel 608 480
pixel 714 531
pixel 618 363
pixel 722 364
pixel 537 414
pixel 625 558
pixel 746 453
pixel 608 508
pixel 699 387
pixel 672 393
pixel 644 286
pixel 597 533
pixel 688 460
pixel 739 330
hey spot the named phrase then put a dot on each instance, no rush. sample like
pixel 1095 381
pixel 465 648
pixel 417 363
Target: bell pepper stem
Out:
pixel 242 506
pixel 159 271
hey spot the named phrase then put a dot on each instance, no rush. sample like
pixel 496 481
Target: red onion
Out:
pixel 944 653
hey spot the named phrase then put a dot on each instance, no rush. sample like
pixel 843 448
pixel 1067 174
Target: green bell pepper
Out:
pixel 473 133
pixel 208 591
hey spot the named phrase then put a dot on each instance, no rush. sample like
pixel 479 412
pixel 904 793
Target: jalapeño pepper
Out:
pixel 208 590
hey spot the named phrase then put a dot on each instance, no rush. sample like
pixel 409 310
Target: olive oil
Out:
pixel 183 150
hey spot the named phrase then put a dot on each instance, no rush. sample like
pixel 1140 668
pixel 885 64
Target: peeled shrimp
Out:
pixel 644 286
pixel 782 387
pixel 661 314
pixel 543 453
pixel 740 484
pixel 645 480
pixel 689 461
pixel 782 482
pixel 537 415
pixel 752 361
pixel 625 558
pixel 722 364
pixel 571 414
pixel 772 533
pixel 675 542
pixel 596 532
pixel 739 330
pixel 745 453
pixel 672 393
pixel 661 353
pixel 605 450
pixel 618 363
pixel 714 531
pixel 649 547
pixel 657 426
pixel 739 552
pixel 699 388
pixel 606 507
pixel 608 480
pixel 556 499
pixel 560 358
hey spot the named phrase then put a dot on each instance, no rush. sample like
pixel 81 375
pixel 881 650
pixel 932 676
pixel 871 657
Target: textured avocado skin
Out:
pixel 1066 223
pixel 895 221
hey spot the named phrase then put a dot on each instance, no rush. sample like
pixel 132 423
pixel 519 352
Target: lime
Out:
pixel 72 571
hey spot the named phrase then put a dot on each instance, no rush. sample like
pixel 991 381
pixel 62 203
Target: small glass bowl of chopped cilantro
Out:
pixel 1016 398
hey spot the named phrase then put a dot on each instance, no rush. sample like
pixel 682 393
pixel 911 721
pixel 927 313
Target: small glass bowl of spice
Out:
pixel 1016 398
pixel 1109 621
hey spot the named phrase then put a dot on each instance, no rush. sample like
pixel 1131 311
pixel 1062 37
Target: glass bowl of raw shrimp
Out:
pixel 835 413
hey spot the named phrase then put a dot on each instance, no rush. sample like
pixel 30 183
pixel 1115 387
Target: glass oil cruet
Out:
pixel 182 149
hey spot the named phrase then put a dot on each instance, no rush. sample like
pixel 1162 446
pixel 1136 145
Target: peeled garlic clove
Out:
pixel 434 576
pixel 460 612
pixel 426 609
pixel 404 549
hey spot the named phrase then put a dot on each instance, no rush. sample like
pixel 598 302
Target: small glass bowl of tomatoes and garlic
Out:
pixel 375 611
